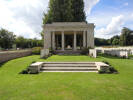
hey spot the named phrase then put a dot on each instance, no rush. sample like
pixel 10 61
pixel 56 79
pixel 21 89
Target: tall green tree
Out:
pixel 65 11
pixel 78 11
pixel 48 17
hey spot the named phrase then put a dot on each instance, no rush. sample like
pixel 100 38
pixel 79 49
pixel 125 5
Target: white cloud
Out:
pixel 132 15
pixel 113 28
pixel 126 4
pixel 24 17
pixel 89 4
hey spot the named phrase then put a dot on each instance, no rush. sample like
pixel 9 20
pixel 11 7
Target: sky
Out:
pixel 24 17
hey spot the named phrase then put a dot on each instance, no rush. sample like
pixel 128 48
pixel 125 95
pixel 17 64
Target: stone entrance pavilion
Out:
pixel 64 36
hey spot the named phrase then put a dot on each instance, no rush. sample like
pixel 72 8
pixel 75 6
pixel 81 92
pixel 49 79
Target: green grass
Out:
pixel 66 86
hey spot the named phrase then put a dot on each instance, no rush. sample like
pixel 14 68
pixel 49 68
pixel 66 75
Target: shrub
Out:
pixel 85 51
pixel 108 70
pixel 36 50
pixel 106 62
pixel 130 56
pixel 51 51
pixel 24 71
pixel 113 70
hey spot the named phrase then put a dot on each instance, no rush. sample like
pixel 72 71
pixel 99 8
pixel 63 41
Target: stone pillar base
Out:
pixel 44 53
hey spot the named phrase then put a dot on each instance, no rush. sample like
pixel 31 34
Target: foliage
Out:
pixel 101 42
pixel 36 50
pixel 42 35
pixel 115 40
pixel 108 70
pixel 85 51
pixel 25 71
pixel 22 42
pixel 65 11
pixel 7 39
pixel 126 37
pixel 78 12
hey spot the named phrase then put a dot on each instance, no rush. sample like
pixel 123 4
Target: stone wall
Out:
pixel 9 55
pixel 119 51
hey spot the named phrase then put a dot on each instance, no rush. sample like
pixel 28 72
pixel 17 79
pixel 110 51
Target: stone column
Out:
pixel 75 41
pixel 62 34
pixel 47 43
pixel 47 39
pixel 53 40
pixel 90 37
pixel 84 38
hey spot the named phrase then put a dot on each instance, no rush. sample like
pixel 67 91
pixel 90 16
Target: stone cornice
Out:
pixel 69 25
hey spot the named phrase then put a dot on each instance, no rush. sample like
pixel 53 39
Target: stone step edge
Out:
pixel 69 68
pixel 68 62
pixel 69 71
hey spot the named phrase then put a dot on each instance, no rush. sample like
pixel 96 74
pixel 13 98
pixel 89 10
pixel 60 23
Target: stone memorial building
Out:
pixel 68 36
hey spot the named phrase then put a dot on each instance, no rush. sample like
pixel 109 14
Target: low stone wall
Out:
pixel 120 51
pixel 131 52
pixel 9 55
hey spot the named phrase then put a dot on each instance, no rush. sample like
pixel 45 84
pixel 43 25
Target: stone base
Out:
pixel 93 53
pixel 35 67
pixel 44 53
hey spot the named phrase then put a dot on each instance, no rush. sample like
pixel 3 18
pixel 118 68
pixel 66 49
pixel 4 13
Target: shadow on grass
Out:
pixel 1 64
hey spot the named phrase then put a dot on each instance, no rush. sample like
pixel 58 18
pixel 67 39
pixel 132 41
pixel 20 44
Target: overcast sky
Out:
pixel 24 17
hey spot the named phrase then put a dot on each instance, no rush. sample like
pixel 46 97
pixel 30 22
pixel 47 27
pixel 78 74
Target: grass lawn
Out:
pixel 66 86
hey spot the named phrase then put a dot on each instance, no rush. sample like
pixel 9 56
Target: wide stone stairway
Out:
pixel 69 67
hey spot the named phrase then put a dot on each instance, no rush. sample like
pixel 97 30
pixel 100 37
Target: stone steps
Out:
pixel 71 71
pixel 69 67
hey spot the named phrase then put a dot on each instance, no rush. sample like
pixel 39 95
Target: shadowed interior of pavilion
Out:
pixel 71 42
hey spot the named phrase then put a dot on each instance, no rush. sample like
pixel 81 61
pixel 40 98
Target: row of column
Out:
pixel 63 40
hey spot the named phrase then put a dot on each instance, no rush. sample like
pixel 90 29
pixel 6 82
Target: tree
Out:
pixel 101 42
pixel 7 39
pixel 23 43
pixel 78 11
pixel 115 40
pixel 65 11
pixel 126 37
pixel 48 17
